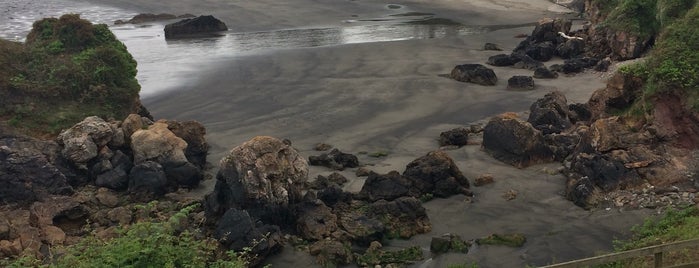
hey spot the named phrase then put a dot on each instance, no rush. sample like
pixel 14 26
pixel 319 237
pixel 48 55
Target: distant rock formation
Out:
pixel 193 27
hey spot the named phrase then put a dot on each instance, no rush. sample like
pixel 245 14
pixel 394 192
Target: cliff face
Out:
pixel 67 69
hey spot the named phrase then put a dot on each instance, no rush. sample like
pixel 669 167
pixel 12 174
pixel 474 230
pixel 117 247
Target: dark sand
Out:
pixel 389 97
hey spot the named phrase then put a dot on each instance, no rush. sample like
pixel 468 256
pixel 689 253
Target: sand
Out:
pixel 390 97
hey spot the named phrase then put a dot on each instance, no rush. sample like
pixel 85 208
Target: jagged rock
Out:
pixel 604 170
pixel 335 159
pixel 457 137
pixel 562 145
pixel 403 217
pixel 550 113
pixel 331 253
pixel 577 65
pixel 82 141
pixel 613 133
pixel 131 124
pixel 388 187
pixel 581 192
pixel 484 179
pixel 502 60
pixel 603 65
pixel 491 46
pixel 192 132
pixel 158 144
pixel 515 142
pixel 474 73
pixel 449 243
pixel 621 91
pixel 116 179
pixel 263 175
pixel 322 182
pixel 436 173
pixel 544 73
pixel 579 112
pixel 520 82
pixel 360 228
pixel 526 62
pixel 541 51
pixel 236 230
pixel 619 44
pixel 333 195
pixel 548 29
pixel 315 221
pixel 27 173
pixel 194 26
pixel 571 48
pixel 148 178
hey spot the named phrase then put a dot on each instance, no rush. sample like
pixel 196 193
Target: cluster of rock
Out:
pixel 600 152
pixel 193 27
pixel 261 191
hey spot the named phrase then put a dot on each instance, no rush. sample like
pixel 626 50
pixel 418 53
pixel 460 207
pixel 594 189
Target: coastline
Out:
pixel 389 96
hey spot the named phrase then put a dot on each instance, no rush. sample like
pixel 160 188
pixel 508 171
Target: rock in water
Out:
pixel 515 142
pixel 550 113
pixel 436 173
pixel 263 175
pixel 195 26
pixel 457 136
pixel 474 73
pixel 544 73
pixel 520 82
pixel 502 60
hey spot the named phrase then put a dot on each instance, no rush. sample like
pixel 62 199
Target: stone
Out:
pixel 449 243
pixel 520 82
pixel 315 221
pixel 116 179
pixel 120 215
pixel 571 48
pixel 576 65
pixel 322 147
pixel 621 91
pixel 509 195
pixel 579 112
pixel 150 17
pixel 335 159
pixel 403 217
pixel 193 133
pixel 53 235
pixel 331 253
pixel 185 174
pixel 158 144
pixel 333 195
pixel 363 172
pixel 515 142
pixel 544 73
pixel 491 46
pixel 524 61
pixel 263 175
pixel 147 178
pixel 236 230
pixel 194 27
pixel 550 113
pixel 502 60
pixel 46 212
pixel 603 65
pixel 360 228
pixel 457 137
pixel 387 187
pixel 82 141
pixel 131 124
pixel 484 179
pixel 547 29
pixel 542 51
pixel 107 197
pixel 436 173
pixel 474 73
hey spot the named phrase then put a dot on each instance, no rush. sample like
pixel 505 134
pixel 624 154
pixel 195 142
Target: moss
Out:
pixel 510 240
pixel 634 16
pixel 68 69
pixel 381 257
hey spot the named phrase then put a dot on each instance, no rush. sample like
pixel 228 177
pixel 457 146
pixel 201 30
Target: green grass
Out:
pixel 381 257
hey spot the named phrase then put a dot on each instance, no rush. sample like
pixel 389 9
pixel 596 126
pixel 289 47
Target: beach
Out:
pixel 382 95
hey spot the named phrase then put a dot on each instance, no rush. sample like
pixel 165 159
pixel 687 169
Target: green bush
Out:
pixel 635 16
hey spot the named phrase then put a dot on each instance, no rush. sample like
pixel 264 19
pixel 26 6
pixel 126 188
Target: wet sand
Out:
pixel 390 97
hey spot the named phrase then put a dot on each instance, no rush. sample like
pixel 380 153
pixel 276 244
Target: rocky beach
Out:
pixel 376 80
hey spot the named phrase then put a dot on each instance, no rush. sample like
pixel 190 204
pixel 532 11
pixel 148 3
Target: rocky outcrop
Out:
pixel 403 217
pixel 516 142
pixel 550 113
pixel 436 173
pixel 201 25
pixel 621 91
pixel 335 159
pixel 263 175
pixel 520 82
pixel 474 73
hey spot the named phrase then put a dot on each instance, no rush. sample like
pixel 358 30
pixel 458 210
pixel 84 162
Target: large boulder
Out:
pixel 474 73
pixel 456 137
pixel 27 172
pixel 571 48
pixel 159 144
pixel 550 113
pixel 516 142
pixel 238 231
pixel 264 175
pixel 403 217
pixel 542 51
pixel 387 187
pixel 82 142
pixel 193 133
pixel 148 179
pixel 195 26
pixel 547 29
pixel 621 91
pixel 315 221
pixel 437 174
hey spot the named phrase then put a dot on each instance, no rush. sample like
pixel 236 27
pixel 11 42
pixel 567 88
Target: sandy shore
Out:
pixel 389 97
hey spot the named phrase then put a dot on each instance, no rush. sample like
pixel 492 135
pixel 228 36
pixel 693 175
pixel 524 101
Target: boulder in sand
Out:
pixel 335 159
pixel 550 113
pixel 474 73
pixel 516 142
pixel 520 82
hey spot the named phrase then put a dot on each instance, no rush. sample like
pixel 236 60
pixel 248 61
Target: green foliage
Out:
pixel 378 154
pixel 635 16
pixel 510 240
pixel 463 265
pixel 143 244
pixel 670 10
pixel 380 257
pixel 426 197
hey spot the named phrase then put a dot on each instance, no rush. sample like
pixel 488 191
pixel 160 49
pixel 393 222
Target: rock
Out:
pixel 548 29
pixel 116 179
pixel 131 124
pixel 82 141
pixel 579 112
pixel 484 179
pixel 550 113
pixel 322 182
pixel 158 144
pixel 502 60
pixel 107 197
pixel 335 159
pixel 192 132
pixel 577 65
pixel 457 137
pixel 403 217
pixel 604 171
pixel 322 147
pixel 510 240
pixel 363 172
pixel 148 178
pixel 184 174
pixel 621 91
pixel 331 253
pixel 618 44
pixel 524 61
pixel 581 192
pixel 491 46
pixel 236 230
pixel 45 213
pixel 542 51
pixel 53 235
pixel 574 5
pixel 474 73
pixel 510 195
pixel 544 73
pixel 436 173
pixel 118 139
pixel 562 145
pixel 603 65
pixel 333 195
pixel 360 228
pixel 315 221
pixel 613 133
pixel 520 82
pixel 149 17
pixel 263 175
pixel 387 187
pixel 194 26
pixel 449 243
pixel 571 48
pixel 27 173
pixel 120 215
pixel 515 142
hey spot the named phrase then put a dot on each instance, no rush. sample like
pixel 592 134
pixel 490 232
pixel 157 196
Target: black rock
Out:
pixel 603 65
pixel 524 61
pixel 335 159
pixel 474 73
pixel 579 112
pixel 491 46
pixel 388 187
pixel 436 173
pixel 236 230
pixel 541 52
pixel 457 137
pixel 571 48
pixel 502 60
pixel 194 27
pixel 550 113
pixel 520 82
pixel 544 73
pixel 148 178
pixel 183 174
pixel 116 179
pixel 515 142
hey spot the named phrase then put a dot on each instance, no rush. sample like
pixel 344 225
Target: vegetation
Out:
pixel 67 69
pixel 676 225
pixel 380 257
pixel 143 244
pixel 510 240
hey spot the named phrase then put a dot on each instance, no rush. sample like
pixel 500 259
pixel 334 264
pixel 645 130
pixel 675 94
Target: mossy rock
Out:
pixel 510 240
